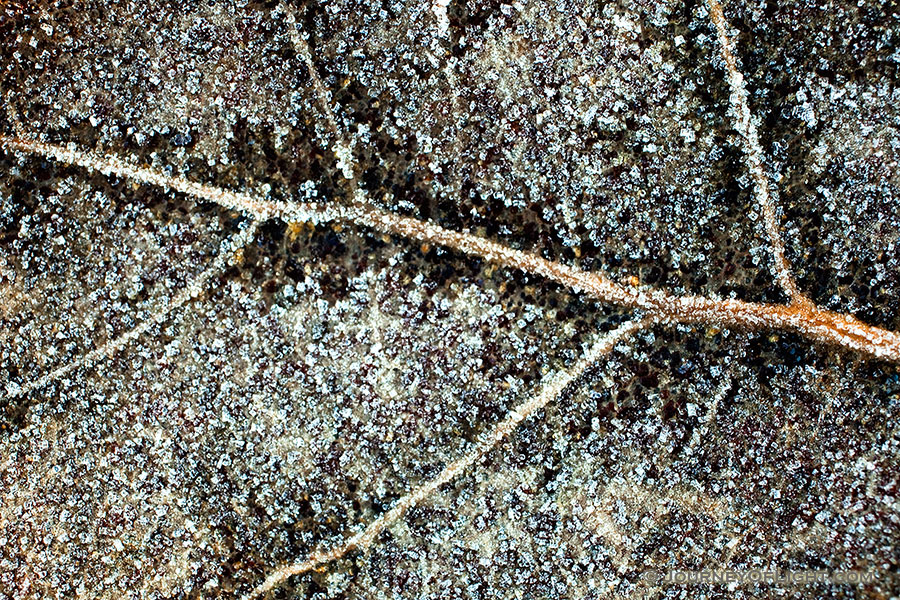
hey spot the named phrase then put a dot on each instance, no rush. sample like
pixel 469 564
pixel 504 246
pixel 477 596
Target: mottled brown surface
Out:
pixel 332 369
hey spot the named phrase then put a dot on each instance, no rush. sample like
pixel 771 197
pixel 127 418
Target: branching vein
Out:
pixel 801 317
pixel 550 391
pixel 743 122
pixel 194 289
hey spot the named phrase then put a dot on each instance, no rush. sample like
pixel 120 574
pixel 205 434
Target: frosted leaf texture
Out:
pixel 317 374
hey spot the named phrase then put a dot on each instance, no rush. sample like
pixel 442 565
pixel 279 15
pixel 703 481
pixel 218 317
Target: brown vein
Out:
pixel 743 122
pixel 803 318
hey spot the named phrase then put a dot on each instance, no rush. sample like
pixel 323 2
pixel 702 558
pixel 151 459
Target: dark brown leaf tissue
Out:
pixel 449 299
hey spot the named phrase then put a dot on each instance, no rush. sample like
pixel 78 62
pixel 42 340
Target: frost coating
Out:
pixel 331 368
